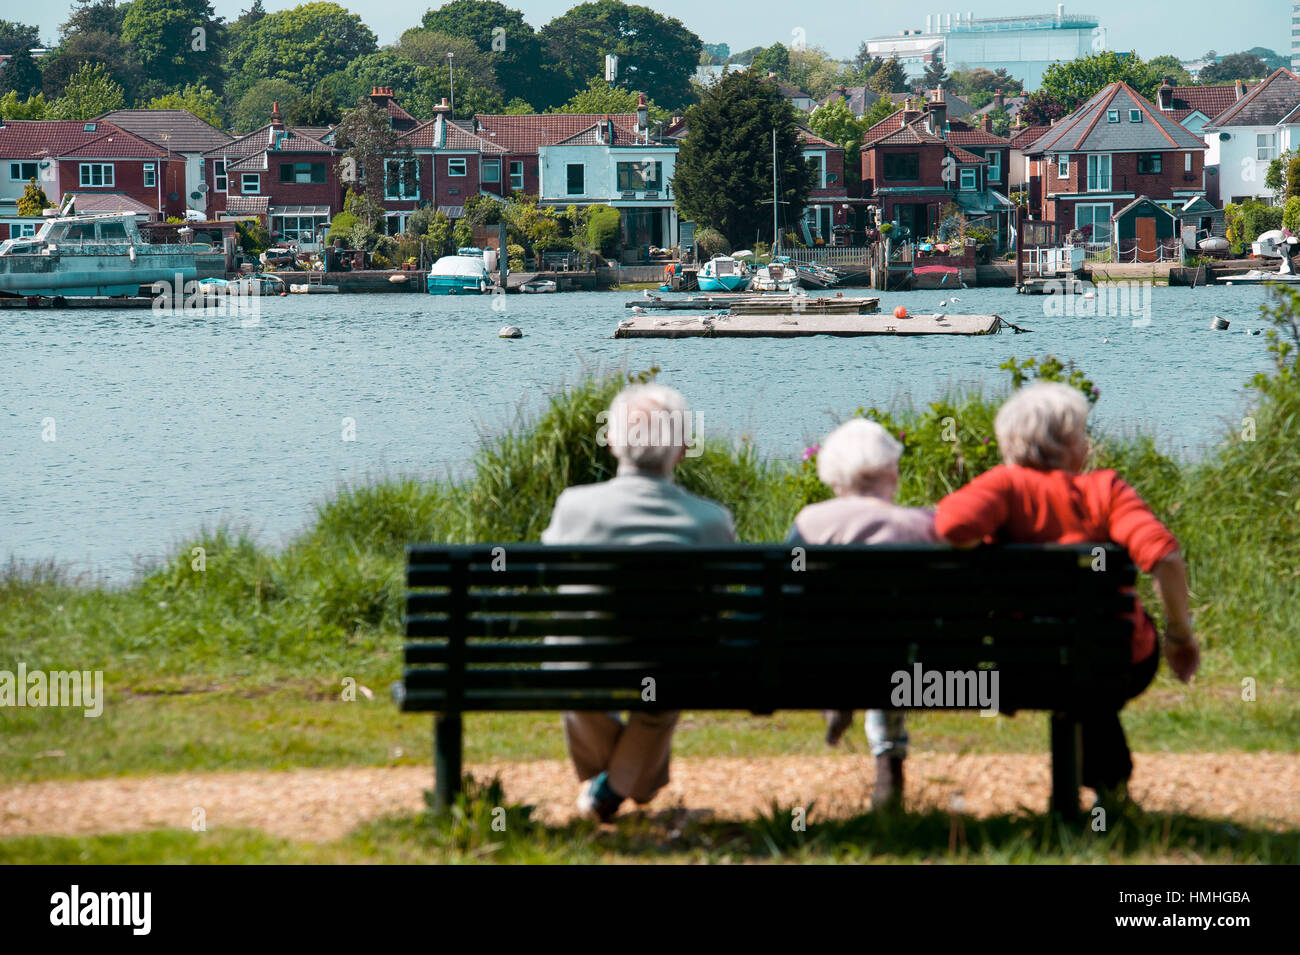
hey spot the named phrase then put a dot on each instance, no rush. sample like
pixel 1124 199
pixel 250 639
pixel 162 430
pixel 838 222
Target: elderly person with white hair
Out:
pixel 649 432
pixel 859 461
pixel 1041 494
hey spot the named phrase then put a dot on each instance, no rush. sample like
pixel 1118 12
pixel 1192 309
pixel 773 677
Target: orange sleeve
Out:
pixel 974 512
pixel 1134 527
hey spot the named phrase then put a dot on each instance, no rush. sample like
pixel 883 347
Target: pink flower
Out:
pixel 811 452
pixel 902 436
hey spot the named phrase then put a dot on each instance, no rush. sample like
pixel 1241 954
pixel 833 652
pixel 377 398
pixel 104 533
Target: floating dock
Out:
pixel 802 326
pixel 1062 285
pixel 761 304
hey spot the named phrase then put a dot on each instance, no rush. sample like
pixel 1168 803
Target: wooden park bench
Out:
pixel 759 628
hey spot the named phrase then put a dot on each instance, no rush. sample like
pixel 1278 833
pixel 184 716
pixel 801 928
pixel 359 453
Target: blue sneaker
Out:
pixel 598 799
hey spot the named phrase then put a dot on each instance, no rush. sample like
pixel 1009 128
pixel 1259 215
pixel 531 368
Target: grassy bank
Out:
pixel 233 655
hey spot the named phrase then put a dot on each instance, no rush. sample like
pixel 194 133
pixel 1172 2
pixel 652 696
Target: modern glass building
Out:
pixel 1295 34
pixel 1024 46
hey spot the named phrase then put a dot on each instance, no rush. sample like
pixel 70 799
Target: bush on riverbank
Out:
pixel 331 600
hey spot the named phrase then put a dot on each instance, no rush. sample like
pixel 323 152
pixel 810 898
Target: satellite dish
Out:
pixel 44 164
pixel 196 194
pixel 201 188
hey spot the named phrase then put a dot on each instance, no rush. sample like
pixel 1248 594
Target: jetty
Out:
pixel 1057 285
pixel 760 304
pixel 806 325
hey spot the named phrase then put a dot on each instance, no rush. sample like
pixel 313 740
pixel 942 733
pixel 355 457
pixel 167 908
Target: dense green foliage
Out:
pixel 724 167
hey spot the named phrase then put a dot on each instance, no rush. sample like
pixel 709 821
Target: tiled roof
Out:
pixel 259 141
pixel 523 134
pixel 1087 129
pixel 964 134
pixel 890 124
pixel 42 138
pixel 117 144
pixel 110 202
pixel 248 205
pixel 313 132
pixel 458 138
pixel 1265 105
pixel 254 163
pixel 1207 100
pixel 428 136
pixel 1027 135
pixel 808 138
pixel 175 129
pixel 914 133
pixel 1012 105
pixel 962 156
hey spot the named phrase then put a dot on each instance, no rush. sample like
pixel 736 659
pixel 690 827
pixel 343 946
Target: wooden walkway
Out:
pixel 802 326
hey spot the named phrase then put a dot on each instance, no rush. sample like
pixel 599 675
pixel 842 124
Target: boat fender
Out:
pixel 130 253
pixel 510 331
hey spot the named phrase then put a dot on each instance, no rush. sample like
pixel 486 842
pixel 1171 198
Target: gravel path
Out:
pixel 323 804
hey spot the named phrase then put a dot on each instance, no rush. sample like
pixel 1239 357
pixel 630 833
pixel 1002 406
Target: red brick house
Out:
pixel 829 205
pixel 279 175
pixel 101 162
pixel 521 136
pixel 913 165
pixel 449 164
pixel 1115 148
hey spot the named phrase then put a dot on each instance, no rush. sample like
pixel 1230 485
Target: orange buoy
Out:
pixel 900 311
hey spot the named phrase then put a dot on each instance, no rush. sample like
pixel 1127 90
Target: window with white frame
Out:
pixel 995 165
pixel 96 174
pixel 1099 172
pixel 1265 146
pixel 1135 116
pixel 818 163
pixel 250 183
pixel 490 170
pixel 402 179
pixel 219 175
pixel 1063 167
pixel 458 166
pixel 298 228
pixel 23 171
pixel 1187 162
pixel 150 175
pixel 517 176
pixel 1093 220
pixel 22 230
pixel 969 180
pixel 1112 116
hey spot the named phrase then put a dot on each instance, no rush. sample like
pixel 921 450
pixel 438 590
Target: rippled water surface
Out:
pixel 163 424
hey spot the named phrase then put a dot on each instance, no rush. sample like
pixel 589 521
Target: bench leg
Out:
pixel 1066 752
pixel 447 740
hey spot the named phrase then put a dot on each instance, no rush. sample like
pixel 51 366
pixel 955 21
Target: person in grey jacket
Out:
pixel 649 430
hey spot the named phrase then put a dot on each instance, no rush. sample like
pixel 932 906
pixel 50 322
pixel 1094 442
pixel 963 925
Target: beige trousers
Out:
pixel 635 754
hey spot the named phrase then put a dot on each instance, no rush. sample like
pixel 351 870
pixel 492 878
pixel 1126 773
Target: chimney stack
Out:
pixel 986 123
pixel 1238 88
pixel 442 109
pixel 998 99
pixel 937 114
pixel 642 115
pixel 277 120
pixel 1165 95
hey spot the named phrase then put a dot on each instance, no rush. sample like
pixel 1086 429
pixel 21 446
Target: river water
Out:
pixel 164 423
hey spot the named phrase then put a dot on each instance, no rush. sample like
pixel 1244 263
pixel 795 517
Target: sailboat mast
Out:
pixel 776 229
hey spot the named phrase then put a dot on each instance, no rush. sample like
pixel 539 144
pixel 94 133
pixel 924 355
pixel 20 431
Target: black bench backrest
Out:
pixel 757 627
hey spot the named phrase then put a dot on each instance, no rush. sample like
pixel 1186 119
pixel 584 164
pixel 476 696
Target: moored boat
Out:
pixel 777 276
pixel 724 273
pixel 459 275
pixel 101 254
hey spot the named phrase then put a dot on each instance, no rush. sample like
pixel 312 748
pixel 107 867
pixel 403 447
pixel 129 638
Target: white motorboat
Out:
pixel 101 254
pixel 778 276
pixel 538 287
pixel 1272 244
pixel 724 273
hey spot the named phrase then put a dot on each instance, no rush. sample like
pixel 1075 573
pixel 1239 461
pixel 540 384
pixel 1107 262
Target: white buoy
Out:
pixel 1105 341
pixel 510 331
pixel 1220 323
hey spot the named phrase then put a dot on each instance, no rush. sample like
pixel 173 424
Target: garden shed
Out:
pixel 1145 231
pixel 1204 216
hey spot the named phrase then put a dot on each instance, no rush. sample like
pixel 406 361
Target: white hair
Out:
pixel 1043 426
pixel 858 457
pixel 648 427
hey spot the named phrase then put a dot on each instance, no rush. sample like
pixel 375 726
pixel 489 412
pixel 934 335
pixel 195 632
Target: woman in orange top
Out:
pixel 1040 495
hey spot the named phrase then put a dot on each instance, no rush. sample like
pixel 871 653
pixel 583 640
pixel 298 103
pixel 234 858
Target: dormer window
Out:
pixel 1135 116
pixel 1112 116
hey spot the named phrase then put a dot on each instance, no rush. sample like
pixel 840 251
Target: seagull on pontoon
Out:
pixel 638 310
